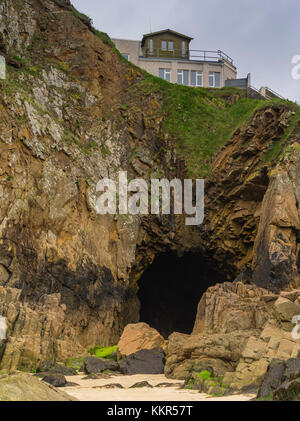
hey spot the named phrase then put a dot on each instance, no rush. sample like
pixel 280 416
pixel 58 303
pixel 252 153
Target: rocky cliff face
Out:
pixel 71 113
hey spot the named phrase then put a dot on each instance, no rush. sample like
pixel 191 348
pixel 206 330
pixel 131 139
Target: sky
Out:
pixel 262 36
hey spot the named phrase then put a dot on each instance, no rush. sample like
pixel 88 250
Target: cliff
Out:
pixel 72 112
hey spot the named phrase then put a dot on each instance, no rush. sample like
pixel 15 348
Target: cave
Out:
pixel 170 290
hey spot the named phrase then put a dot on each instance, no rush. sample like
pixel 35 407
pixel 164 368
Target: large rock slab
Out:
pixel 143 362
pixel 287 309
pixel 282 381
pixel 272 379
pixel 25 387
pixel 288 391
pixel 139 336
pixel 94 365
pixel 56 380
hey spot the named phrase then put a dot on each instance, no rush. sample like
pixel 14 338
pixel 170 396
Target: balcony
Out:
pixel 191 55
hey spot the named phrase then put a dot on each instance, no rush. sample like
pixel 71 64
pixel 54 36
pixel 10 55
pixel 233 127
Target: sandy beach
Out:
pixel 94 390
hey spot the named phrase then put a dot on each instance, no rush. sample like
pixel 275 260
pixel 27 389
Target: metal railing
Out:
pixel 193 55
pixel 273 93
pixel 207 55
pixel 253 93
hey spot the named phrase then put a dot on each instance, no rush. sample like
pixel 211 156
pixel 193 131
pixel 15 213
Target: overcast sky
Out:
pixel 261 36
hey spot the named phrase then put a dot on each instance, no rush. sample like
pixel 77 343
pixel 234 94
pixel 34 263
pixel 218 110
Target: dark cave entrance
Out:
pixel 170 290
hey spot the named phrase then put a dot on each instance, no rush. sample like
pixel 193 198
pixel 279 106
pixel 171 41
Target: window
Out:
pixel 165 74
pixel 196 78
pixel 164 45
pixel 170 46
pixel 151 46
pixel 126 56
pixel 215 79
pixel 183 77
pixel 183 48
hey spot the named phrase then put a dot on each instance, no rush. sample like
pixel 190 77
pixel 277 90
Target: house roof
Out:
pixel 163 31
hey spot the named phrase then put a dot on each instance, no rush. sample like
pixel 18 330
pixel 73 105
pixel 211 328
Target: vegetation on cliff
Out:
pixel 202 120
pixel 199 121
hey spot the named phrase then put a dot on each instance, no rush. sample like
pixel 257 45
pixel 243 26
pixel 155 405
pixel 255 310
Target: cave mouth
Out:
pixel 170 290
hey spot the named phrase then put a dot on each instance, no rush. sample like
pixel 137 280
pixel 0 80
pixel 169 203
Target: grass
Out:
pixel 276 150
pixel 106 352
pixel 199 120
pixel 76 363
pixel 206 376
pixel 203 120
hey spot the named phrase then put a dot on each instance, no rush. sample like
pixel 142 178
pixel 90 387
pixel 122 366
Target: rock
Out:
pixel 175 342
pixel 272 379
pixel 97 376
pixel 62 129
pixel 25 387
pixel 287 309
pixel 140 385
pixel 49 367
pixel 287 349
pixel 139 336
pixel 247 375
pixel 166 385
pixel 288 391
pixel 292 370
pixel 274 262
pixel 271 332
pixel 219 351
pixel 143 362
pixel 94 365
pixel 255 349
pixel 231 307
pixel 282 380
pixel 110 386
pixel 56 380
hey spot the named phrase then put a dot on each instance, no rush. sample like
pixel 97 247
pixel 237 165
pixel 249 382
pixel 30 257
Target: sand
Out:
pixel 88 390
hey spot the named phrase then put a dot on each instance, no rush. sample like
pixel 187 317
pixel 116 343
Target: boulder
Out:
pixel 50 367
pixel 165 385
pixel 247 375
pixel 288 391
pixel 286 308
pixel 94 365
pixel 272 379
pixel 182 370
pixel 176 342
pixel 110 386
pixel 281 381
pixel 292 370
pixel 287 349
pixel 56 380
pixel 140 385
pixel 143 362
pixel 25 387
pixel 255 349
pixel 139 336
pixel 220 351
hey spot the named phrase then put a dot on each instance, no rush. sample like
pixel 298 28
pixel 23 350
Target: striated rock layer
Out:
pixel 69 116
pixel 240 329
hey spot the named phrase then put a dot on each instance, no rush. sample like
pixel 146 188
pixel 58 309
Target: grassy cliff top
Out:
pixel 202 120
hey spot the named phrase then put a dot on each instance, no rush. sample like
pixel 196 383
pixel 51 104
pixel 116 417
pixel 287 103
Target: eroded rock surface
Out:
pixel 69 116
pixel 137 337
pixel 25 387
pixel 240 329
